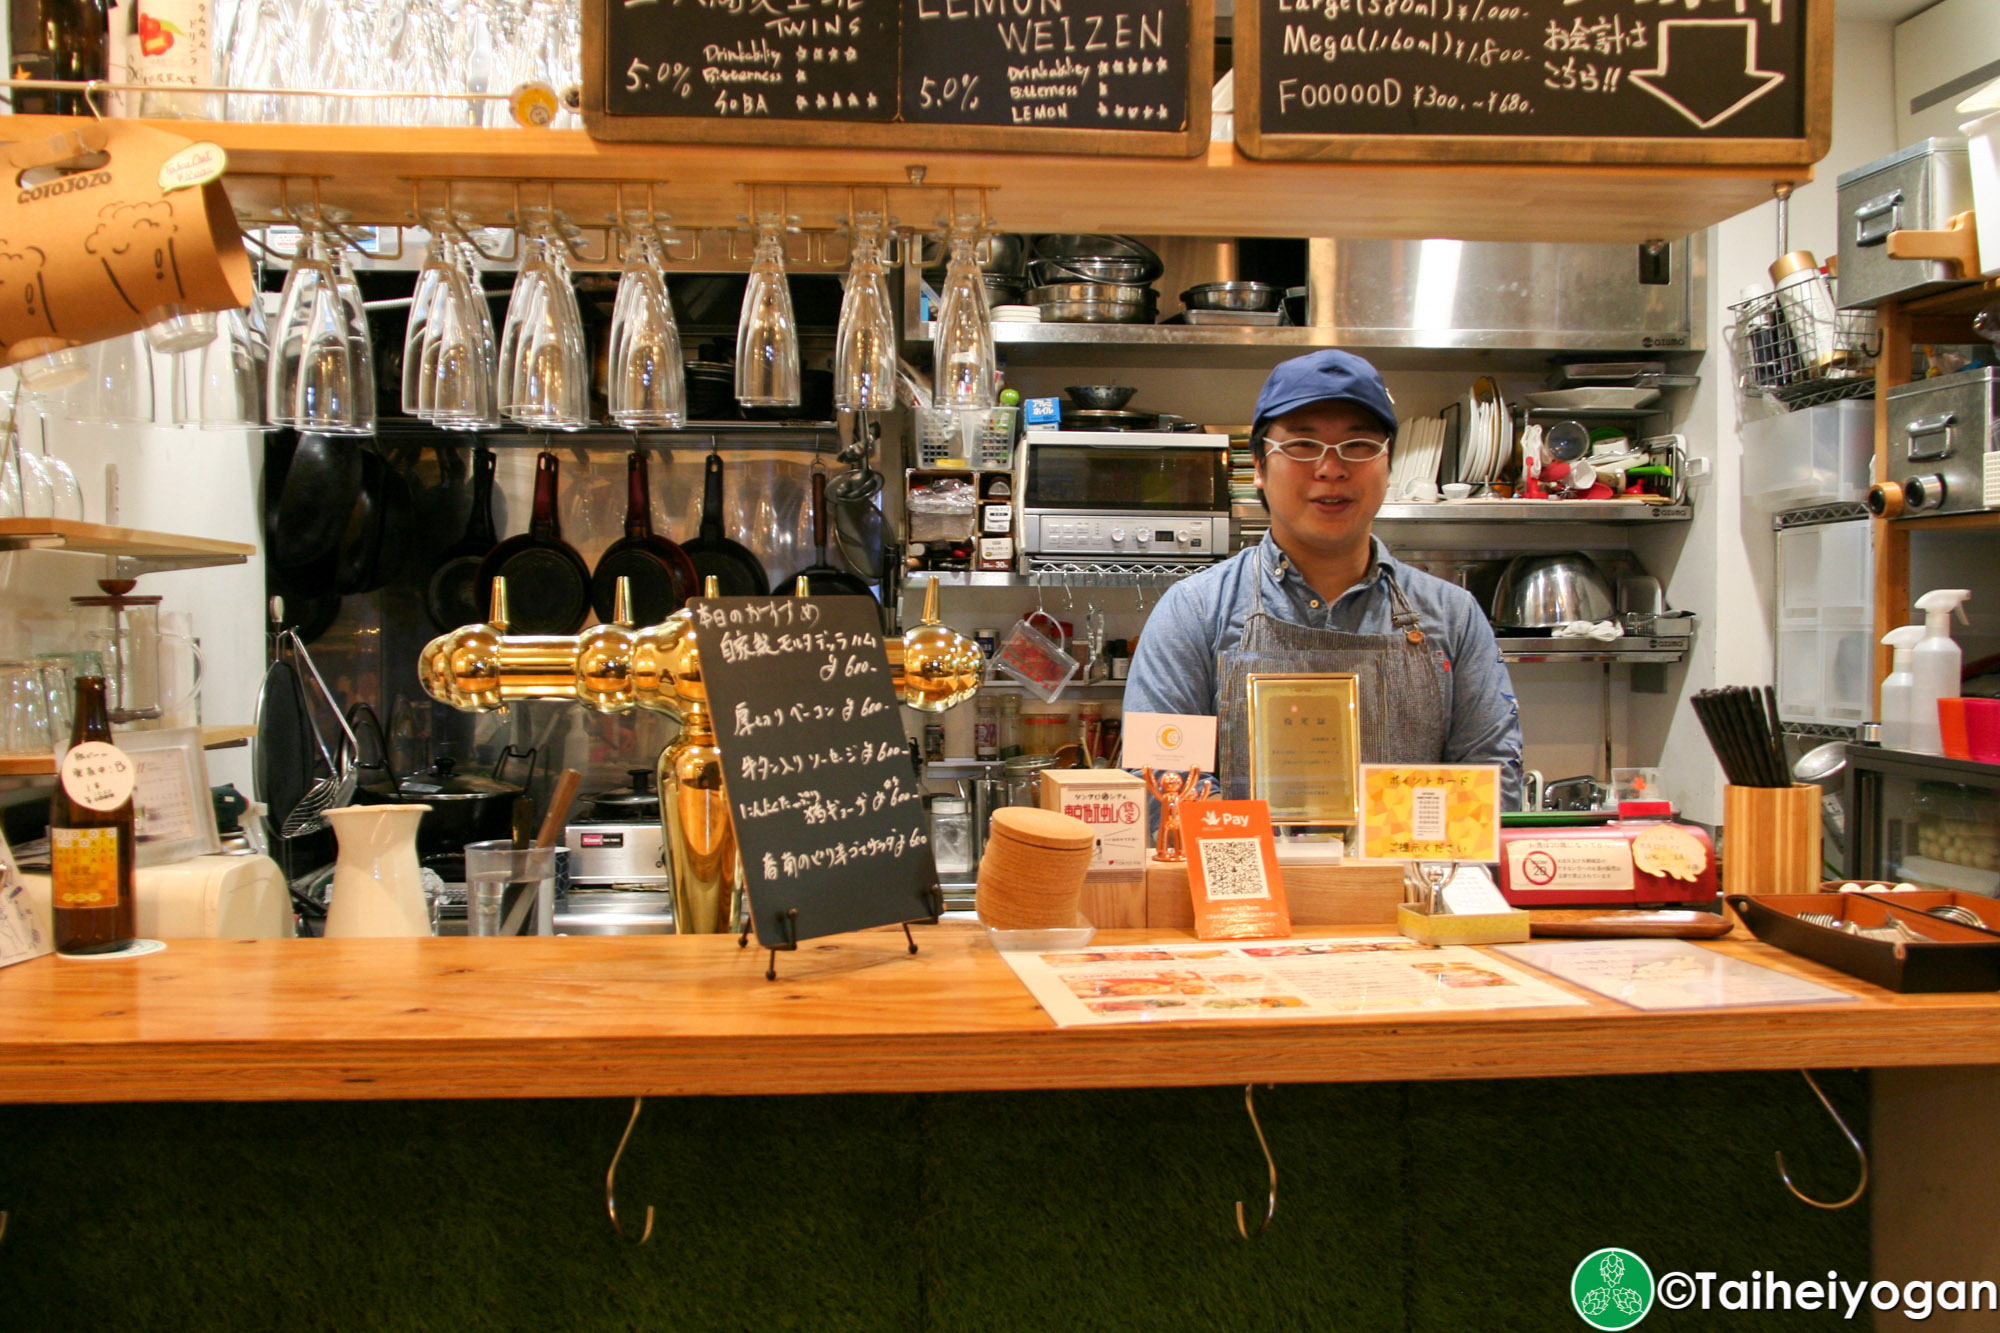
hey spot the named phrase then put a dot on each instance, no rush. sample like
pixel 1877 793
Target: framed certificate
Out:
pixel 1305 746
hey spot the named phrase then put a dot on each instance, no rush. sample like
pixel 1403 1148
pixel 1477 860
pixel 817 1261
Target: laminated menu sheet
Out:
pixel 1669 974
pixel 1266 979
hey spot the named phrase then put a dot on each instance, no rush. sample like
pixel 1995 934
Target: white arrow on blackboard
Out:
pixel 1699 75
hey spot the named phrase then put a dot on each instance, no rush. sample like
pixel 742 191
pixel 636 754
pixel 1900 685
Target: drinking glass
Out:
pixel 223 387
pixel 648 387
pixel 59 687
pixel 24 710
pixel 65 492
pixel 544 378
pixel 864 352
pixel 180 329
pixel 767 337
pixel 119 391
pixel 962 340
pixel 481 400
pixel 506 884
pixel 321 374
pixel 448 348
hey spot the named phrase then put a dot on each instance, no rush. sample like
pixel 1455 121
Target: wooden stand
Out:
pixel 1352 893
pixel 1771 839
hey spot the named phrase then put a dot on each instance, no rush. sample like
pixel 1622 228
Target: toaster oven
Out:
pixel 1150 495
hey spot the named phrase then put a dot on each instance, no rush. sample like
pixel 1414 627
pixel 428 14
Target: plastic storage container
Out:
pixel 1825 622
pixel 1817 456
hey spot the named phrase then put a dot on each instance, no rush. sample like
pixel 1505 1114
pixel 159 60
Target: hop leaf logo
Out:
pixel 1612 1289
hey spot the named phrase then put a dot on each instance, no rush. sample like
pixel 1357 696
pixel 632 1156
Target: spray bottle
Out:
pixel 1898 684
pixel 1934 667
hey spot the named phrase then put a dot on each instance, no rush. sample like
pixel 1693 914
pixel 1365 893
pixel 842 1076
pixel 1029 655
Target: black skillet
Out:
pixel 378 536
pixel 662 576
pixel 548 585
pixel 452 597
pixel 308 512
pixel 822 579
pixel 734 568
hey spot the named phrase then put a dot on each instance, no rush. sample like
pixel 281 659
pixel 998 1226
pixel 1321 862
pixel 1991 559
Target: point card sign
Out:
pixel 1430 812
pixel 1029 76
pixel 1635 81
pixel 829 814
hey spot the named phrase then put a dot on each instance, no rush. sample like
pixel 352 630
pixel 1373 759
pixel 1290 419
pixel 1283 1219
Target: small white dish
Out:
pixel 1457 490
pixel 1604 396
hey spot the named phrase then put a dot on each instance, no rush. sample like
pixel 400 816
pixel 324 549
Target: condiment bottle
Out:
pixel 1090 730
pixel 91 837
pixel 1010 726
pixel 1805 302
pixel 985 728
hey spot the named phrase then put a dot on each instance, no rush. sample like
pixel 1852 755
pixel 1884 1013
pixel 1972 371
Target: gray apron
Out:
pixel 1400 685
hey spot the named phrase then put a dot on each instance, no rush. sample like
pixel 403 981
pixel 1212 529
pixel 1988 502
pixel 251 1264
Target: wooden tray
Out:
pixel 1957 958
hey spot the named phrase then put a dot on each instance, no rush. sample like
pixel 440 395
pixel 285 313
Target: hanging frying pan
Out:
pixel 304 599
pixel 452 597
pixel 662 575
pixel 822 579
pixel 308 512
pixel 379 533
pixel 548 585
pixel 733 566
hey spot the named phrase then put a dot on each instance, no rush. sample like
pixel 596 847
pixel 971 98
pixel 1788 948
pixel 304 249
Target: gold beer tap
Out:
pixel 616 667
pixel 694 797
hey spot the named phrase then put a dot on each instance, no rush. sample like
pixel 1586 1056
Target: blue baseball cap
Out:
pixel 1318 377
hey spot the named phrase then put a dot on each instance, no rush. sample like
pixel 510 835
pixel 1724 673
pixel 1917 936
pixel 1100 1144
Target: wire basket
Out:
pixel 982 437
pixel 1799 353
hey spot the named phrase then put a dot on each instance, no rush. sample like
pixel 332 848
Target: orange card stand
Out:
pixel 1233 874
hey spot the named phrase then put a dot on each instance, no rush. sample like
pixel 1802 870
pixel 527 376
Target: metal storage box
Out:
pixel 1941 445
pixel 1918 188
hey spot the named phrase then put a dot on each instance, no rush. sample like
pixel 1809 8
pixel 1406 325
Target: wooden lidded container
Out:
pixel 1032 871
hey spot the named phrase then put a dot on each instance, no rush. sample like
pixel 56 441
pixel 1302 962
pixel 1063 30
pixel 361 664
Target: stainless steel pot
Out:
pixel 464 807
pixel 1233 296
pixel 1540 592
pixel 635 804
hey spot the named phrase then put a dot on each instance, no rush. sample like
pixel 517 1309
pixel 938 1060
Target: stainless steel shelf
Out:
pixel 1534 511
pixel 1631 648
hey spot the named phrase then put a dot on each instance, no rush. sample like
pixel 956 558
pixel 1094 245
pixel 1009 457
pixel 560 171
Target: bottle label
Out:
pixel 84 866
pixel 98 775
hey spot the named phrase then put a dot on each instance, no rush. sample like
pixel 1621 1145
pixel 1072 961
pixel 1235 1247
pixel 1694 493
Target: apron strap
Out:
pixel 1402 615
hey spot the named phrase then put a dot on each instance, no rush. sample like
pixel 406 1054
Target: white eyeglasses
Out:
pixel 1350 451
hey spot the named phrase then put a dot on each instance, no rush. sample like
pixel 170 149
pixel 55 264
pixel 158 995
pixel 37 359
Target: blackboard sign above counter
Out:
pixel 1032 76
pixel 1584 81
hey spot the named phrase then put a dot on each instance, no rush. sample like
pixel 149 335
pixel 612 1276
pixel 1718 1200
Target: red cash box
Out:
pixel 1643 858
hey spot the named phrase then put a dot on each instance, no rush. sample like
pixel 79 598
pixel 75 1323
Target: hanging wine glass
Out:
pixel 962 339
pixel 648 385
pixel 767 338
pixel 864 352
pixel 544 368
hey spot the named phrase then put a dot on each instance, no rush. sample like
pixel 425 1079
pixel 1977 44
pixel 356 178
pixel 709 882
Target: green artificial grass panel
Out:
pixel 1115 1210
pixel 773 1214
pixel 1513 1183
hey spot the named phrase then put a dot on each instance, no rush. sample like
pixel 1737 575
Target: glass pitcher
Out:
pixel 124 630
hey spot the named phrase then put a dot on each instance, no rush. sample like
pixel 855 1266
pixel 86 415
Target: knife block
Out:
pixel 1771 839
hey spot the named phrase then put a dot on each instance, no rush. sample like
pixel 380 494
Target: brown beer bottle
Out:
pixel 91 833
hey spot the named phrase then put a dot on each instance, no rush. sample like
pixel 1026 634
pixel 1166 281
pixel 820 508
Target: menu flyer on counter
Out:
pixel 1266 979
pixel 1668 974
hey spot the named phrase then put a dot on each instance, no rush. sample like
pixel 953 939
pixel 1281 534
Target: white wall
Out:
pixel 1727 564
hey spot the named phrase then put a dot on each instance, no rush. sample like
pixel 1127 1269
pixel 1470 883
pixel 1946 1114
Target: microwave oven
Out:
pixel 1151 495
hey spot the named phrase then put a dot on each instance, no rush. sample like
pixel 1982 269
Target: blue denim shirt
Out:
pixel 1174 668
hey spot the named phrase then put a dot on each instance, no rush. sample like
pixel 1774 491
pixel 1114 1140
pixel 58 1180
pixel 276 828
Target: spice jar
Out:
pixel 985 728
pixel 951 836
pixel 1044 730
pixel 1010 726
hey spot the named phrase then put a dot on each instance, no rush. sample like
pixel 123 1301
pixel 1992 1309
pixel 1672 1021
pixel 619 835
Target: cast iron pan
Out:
pixel 303 599
pixel 732 566
pixel 662 575
pixel 379 534
pixel 822 579
pixel 452 599
pixel 308 514
pixel 548 585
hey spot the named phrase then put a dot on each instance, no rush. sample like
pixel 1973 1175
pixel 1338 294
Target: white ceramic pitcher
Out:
pixel 378 890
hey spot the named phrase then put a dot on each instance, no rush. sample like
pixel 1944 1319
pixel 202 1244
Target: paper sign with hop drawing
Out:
pixel 92 246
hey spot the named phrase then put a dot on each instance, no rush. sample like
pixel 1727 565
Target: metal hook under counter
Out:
pixel 611 1180
pixel 1859 1151
pixel 1270 1203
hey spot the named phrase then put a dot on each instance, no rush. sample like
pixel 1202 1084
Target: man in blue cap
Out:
pixel 1321 593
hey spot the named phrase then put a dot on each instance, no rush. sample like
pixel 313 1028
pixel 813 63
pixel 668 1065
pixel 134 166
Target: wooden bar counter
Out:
pixel 210 1020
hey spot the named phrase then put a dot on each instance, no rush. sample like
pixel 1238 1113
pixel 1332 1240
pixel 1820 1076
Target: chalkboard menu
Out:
pixel 829 814
pixel 1641 81
pixel 1046 76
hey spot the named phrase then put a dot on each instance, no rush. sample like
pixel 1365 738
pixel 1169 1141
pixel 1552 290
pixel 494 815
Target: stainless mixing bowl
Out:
pixel 1539 592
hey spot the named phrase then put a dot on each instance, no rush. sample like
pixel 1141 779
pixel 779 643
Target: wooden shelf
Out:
pixel 259 1020
pixel 371 172
pixel 42 766
pixel 137 552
